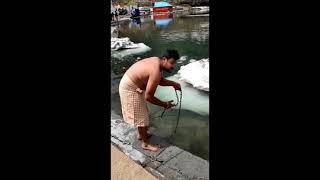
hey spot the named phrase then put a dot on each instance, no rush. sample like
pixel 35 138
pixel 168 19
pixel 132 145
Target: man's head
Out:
pixel 169 60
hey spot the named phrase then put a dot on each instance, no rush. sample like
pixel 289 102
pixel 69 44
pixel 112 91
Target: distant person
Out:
pixel 112 16
pixel 137 12
pixel 137 87
pixel 133 12
pixel 137 22
pixel 116 13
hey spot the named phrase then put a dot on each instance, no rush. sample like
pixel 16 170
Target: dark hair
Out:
pixel 171 53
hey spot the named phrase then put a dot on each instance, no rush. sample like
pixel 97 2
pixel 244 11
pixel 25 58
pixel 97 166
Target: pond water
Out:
pixel 190 37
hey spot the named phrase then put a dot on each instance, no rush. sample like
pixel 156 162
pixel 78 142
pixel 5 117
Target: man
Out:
pixel 116 13
pixel 138 86
pixel 112 16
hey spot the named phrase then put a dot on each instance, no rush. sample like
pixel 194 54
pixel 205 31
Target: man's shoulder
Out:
pixel 157 58
pixel 152 58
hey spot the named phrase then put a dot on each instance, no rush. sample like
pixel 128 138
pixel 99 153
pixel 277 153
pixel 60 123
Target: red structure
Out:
pixel 162 7
pixel 162 16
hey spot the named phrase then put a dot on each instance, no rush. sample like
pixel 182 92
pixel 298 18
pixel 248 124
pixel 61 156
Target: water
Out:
pixel 188 35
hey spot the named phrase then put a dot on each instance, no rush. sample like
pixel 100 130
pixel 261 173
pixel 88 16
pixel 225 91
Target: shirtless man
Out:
pixel 139 84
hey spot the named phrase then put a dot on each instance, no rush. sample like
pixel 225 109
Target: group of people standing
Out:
pixel 114 14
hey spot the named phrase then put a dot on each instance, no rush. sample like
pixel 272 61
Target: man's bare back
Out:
pixel 140 71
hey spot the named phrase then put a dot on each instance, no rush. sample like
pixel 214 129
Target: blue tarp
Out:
pixel 162 22
pixel 161 4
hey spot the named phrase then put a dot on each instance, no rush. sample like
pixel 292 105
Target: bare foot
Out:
pixel 150 147
pixel 148 136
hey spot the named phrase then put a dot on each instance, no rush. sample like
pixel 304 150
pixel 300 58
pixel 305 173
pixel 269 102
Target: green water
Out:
pixel 188 35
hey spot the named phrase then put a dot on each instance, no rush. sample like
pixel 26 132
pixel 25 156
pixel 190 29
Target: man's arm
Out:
pixel 166 82
pixel 154 80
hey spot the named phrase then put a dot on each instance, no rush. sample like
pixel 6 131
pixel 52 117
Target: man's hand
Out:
pixel 169 104
pixel 176 86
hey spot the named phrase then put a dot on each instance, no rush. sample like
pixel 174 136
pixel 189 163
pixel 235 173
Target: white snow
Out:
pixel 122 43
pixel 200 10
pixel 183 58
pixel 196 73
pixel 121 47
pixel 142 48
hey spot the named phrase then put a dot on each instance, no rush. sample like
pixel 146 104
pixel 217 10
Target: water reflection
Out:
pixel 136 22
pixel 162 19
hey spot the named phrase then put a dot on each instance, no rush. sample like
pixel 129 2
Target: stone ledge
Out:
pixel 170 162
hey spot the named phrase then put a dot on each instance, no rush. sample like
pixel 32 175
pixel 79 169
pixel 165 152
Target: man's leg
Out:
pixel 148 135
pixel 145 144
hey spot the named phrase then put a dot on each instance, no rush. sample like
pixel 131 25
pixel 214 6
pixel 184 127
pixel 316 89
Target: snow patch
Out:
pixel 183 58
pixel 122 43
pixel 196 73
pixel 121 47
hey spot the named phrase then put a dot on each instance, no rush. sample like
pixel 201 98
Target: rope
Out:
pixel 179 110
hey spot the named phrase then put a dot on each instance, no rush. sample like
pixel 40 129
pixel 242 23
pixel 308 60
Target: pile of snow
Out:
pixel 183 58
pixel 193 99
pixel 192 60
pixel 122 43
pixel 196 73
pixel 200 10
pixel 140 49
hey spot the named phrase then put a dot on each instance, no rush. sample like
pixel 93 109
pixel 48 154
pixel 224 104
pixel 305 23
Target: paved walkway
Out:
pixel 171 162
pixel 123 168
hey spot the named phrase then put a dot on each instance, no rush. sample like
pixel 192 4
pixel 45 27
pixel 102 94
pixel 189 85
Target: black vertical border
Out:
pixel 107 92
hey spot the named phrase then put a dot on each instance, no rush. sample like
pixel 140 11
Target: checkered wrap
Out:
pixel 134 106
